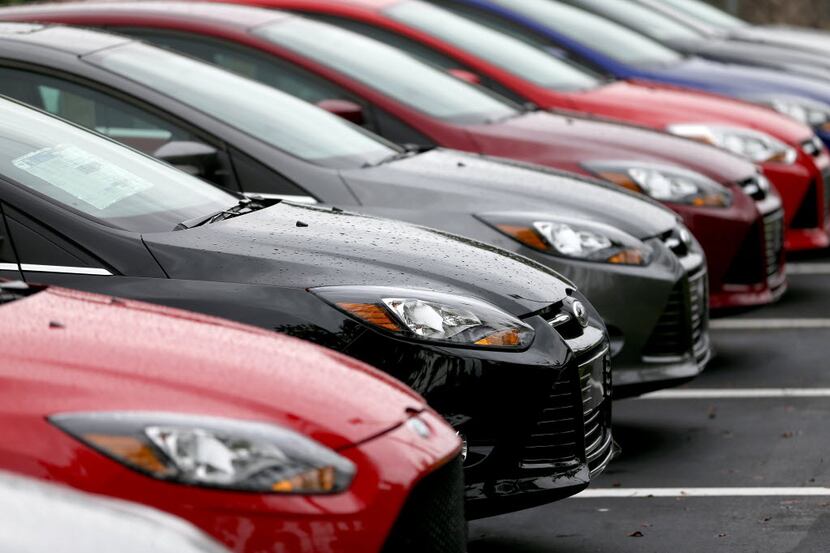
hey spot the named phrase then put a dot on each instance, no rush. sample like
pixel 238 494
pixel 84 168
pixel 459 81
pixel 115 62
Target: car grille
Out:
pixel 555 440
pixel 432 520
pixel 596 406
pixel 774 242
pixel 682 326
pixel 576 419
pixel 699 307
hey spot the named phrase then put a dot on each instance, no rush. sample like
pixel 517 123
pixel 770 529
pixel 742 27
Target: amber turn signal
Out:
pixel 526 235
pixel 372 314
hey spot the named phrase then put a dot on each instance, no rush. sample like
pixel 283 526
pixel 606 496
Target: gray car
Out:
pixel 634 260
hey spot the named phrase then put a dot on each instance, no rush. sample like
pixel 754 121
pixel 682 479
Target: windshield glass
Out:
pixel 640 18
pixel 707 14
pixel 388 70
pixel 99 178
pixel 276 118
pixel 506 52
pixel 604 36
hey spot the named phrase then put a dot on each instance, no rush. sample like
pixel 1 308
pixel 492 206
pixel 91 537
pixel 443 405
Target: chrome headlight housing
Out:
pixel 430 316
pixel 664 183
pixel 753 145
pixel 212 452
pixel 571 238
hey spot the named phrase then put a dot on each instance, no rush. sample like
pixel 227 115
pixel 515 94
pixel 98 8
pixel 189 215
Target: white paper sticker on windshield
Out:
pixel 83 175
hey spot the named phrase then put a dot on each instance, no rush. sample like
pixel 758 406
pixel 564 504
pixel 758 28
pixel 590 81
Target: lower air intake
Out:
pixel 432 520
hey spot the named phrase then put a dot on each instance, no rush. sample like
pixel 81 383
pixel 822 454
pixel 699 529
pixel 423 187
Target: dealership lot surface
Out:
pixel 765 459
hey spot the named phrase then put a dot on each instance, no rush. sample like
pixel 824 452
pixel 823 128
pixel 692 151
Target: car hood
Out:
pixel 798 38
pixel 447 180
pixel 740 80
pixel 568 142
pixel 661 106
pixel 67 351
pixel 297 246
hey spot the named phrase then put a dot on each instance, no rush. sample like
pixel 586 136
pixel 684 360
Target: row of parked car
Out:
pixel 490 203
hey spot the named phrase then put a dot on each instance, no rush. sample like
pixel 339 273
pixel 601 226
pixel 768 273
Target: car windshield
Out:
pixel 388 70
pixel 707 14
pixel 609 38
pixel 640 18
pixel 504 51
pixel 99 178
pixel 274 117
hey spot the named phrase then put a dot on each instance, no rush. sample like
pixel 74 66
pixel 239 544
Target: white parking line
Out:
pixel 740 393
pixel 808 268
pixel 768 324
pixel 613 493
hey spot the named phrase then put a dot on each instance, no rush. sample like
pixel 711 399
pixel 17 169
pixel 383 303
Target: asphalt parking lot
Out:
pixel 736 461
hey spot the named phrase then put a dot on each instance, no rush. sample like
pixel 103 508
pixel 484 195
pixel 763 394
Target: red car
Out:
pixel 727 204
pixel 798 166
pixel 262 441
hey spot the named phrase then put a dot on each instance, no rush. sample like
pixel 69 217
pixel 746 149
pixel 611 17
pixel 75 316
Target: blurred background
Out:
pixel 810 13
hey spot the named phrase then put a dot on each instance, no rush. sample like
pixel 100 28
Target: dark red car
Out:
pixel 724 200
pixel 797 165
pixel 263 441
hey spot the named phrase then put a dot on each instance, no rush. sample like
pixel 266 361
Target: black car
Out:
pixel 510 353
pixel 257 140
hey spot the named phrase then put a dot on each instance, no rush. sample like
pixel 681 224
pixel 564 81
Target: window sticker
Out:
pixel 83 175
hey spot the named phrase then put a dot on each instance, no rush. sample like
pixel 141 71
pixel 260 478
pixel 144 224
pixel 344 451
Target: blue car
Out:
pixel 573 33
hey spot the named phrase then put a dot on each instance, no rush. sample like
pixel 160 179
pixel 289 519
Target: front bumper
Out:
pixel 744 246
pixel 804 190
pixel 633 324
pixel 497 401
pixel 678 348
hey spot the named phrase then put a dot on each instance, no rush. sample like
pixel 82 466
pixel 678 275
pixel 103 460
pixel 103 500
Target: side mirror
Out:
pixel 194 158
pixel 345 109
pixel 465 75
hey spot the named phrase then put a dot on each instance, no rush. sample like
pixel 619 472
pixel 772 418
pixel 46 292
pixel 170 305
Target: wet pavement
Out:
pixel 738 463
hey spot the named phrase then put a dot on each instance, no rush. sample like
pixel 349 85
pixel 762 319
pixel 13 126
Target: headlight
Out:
pixel 664 183
pixel 756 146
pixel 803 110
pixel 430 316
pixel 213 452
pixel 572 238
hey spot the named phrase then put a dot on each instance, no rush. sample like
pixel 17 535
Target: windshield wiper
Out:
pixel 409 150
pixel 243 207
pixel 521 110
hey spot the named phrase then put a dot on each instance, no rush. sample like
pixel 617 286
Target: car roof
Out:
pixel 239 16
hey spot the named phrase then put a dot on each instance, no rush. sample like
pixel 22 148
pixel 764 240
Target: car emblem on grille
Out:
pixel 419 427
pixel 580 313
